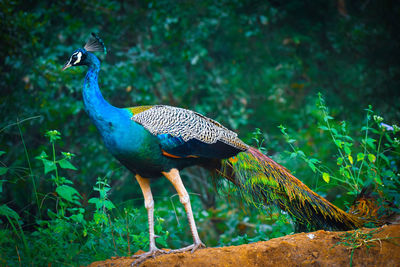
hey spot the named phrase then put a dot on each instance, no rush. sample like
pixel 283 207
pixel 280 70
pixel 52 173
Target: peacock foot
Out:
pixel 151 253
pixel 192 248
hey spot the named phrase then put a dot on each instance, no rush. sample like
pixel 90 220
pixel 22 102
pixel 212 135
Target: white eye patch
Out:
pixel 79 55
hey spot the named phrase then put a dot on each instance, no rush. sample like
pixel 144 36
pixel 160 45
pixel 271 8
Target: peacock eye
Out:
pixel 76 58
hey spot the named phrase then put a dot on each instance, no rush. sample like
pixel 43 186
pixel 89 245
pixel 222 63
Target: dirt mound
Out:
pixel 376 247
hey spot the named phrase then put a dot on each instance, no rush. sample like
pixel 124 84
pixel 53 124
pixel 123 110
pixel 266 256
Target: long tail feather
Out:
pixel 264 182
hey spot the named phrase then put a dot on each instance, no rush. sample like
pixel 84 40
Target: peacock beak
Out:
pixel 67 65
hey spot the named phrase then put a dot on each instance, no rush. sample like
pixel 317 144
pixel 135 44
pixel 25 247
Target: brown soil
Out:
pixel 304 249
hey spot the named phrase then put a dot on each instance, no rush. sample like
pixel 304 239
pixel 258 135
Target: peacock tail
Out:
pixel 265 183
pixel 187 134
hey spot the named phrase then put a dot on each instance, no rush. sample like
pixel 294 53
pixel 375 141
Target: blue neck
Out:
pixel 98 109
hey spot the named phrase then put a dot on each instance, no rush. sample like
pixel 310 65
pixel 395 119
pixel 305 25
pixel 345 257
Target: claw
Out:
pixel 152 253
pixel 156 252
pixel 192 248
pixel 197 246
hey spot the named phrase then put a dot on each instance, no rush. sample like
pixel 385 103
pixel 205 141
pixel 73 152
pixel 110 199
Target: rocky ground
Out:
pixel 370 247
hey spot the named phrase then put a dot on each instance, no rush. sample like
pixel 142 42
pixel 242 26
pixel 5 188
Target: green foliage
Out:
pixel 259 140
pixel 376 156
pixel 102 202
pixel 68 224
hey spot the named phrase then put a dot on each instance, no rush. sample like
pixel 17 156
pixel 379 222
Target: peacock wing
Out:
pixel 185 133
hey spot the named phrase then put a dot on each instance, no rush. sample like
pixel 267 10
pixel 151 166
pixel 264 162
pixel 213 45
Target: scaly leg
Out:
pixel 149 205
pixel 174 177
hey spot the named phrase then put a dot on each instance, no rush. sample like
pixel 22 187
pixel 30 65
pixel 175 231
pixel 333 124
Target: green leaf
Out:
pixel 68 193
pixel 314 160
pixel 360 156
pixel 324 128
pixel 48 166
pixel 387 173
pixel 42 156
pixel 312 166
pixel 6 211
pixel 158 228
pixel 347 150
pixel 371 158
pixel 100 217
pixel 301 153
pixel 326 177
pixel 339 161
pixel 348 138
pixel 370 142
pixel 93 200
pixel 78 218
pixel 109 205
pixel 65 164
pixel 338 143
pixel 383 156
pixel 3 170
pixel 378 180
pixel 2 153
pixel 1 185
pixel 327 117
pixel 350 159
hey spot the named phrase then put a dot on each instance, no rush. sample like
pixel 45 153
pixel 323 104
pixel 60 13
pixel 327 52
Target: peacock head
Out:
pixel 80 56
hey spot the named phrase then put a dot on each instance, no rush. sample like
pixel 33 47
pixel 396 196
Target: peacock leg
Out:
pixel 174 177
pixel 149 204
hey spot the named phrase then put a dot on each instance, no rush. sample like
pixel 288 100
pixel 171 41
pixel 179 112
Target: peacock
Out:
pixel 158 140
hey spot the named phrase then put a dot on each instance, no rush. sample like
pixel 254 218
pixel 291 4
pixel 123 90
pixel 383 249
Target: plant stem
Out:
pixel 377 151
pixel 127 234
pixel 19 257
pixel 112 234
pixel 365 145
pixel 30 167
pixel 22 237
pixel 54 162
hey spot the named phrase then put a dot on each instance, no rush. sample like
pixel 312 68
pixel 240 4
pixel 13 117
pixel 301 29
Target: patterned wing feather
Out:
pixel 187 125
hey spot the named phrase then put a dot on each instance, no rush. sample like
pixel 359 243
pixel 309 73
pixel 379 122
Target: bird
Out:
pixel 156 141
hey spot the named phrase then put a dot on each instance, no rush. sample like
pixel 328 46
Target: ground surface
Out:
pixel 304 249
